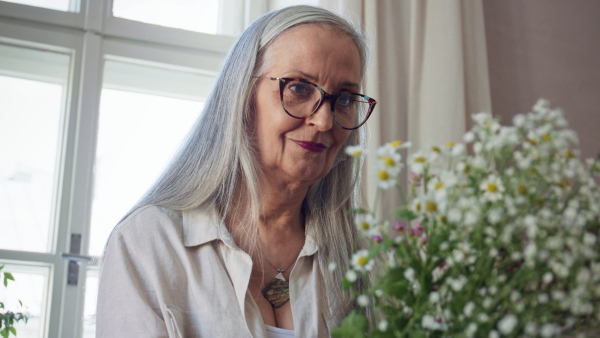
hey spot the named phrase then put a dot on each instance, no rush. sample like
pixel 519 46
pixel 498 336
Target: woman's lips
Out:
pixel 311 146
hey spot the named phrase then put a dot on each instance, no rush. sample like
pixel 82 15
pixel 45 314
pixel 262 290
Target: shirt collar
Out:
pixel 201 226
pixel 310 245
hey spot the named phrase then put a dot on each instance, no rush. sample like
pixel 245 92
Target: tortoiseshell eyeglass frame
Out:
pixel 324 96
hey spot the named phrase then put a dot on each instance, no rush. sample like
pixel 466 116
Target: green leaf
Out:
pixel 20 303
pixel 353 326
pixel 346 284
pixel 7 276
pixel 4 332
pixel 407 215
pixel 13 330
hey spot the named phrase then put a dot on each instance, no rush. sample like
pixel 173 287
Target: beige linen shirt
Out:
pixel 169 273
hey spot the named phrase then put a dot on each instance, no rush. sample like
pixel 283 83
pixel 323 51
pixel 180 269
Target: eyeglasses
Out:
pixel 301 99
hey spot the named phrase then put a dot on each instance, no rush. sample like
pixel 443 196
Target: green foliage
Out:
pixel 9 318
pixel 353 326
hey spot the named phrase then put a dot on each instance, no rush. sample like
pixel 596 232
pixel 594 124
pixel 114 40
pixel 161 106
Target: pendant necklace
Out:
pixel 277 292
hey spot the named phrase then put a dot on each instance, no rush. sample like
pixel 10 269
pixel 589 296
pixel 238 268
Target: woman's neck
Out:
pixel 280 216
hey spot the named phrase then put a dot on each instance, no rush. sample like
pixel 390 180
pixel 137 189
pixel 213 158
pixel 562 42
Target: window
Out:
pixel 85 87
pixel 33 291
pixel 145 113
pixel 33 87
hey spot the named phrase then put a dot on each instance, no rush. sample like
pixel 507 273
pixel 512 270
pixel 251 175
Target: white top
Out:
pixel 169 273
pixel 276 332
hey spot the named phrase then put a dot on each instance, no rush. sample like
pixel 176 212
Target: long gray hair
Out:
pixel 218 156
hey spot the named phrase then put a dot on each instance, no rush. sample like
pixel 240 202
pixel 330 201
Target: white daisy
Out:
pixel 492 188
pixel 386 177
pixel 361 261
pixel 366 224
pixel 417 162
pixel 383 325
pixel 400 145
pixel 351 276
pixel 507 324
pixel 355 151
pixel 389 157
pixel 363 300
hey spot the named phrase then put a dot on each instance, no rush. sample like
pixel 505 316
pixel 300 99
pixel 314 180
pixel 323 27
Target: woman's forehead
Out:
pixel 315 50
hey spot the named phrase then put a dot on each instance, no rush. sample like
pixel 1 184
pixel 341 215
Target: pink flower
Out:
pixel 400 226
pixel 417 230
pixel 415 179
pixel 377 239
pixel 423 240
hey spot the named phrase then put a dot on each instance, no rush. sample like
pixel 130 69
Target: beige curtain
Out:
pixel 428 69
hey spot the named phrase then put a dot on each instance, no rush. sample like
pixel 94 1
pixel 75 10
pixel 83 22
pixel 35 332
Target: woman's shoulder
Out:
pixel 149 226
pixel 148 218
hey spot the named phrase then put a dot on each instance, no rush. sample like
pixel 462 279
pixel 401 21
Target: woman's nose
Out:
pixel 323 117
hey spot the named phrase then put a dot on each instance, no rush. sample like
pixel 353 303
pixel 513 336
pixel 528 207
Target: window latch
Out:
pixel 74 257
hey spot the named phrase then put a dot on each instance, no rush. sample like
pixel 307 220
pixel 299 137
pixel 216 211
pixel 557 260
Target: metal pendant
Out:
pixel 277 292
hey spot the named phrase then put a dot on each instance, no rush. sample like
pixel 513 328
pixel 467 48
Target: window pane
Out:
pixel 139 132
pixel 59 5
pixel 30 287
pixel 89 309
pixel 32 85
pixel 206 16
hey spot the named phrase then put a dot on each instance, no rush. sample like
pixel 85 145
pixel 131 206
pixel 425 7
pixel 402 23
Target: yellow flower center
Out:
pixel 439 185
pixel 420 159
pixel 365 226
pixel 397 143
pixel 388 160
pixel 383 175
pixel 547 137
pixel 492 187
pixel 531 141
pixel 431 206
pixel 436 149
pixel 362 261
pixel 570 153
pixel 418 207
pixel 522 189
pixel 357 153
pixel 450 144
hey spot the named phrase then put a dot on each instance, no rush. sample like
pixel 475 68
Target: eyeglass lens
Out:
pixel 301 99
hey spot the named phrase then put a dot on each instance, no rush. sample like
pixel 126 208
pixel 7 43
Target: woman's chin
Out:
pixel 304 177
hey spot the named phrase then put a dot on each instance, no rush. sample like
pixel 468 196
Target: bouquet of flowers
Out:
pixel 499 239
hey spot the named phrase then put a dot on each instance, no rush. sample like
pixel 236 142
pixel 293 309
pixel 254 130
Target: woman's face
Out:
pixel 294 150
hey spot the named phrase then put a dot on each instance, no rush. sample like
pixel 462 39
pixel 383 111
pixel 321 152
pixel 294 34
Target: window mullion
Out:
pixel 84 145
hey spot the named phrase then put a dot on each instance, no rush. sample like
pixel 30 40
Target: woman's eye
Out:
pixel 299 88
pixel 344 100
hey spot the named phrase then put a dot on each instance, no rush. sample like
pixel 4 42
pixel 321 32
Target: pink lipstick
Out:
pixel 311 146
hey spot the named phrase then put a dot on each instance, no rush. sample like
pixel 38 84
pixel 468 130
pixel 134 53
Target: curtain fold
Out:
pixel 448 70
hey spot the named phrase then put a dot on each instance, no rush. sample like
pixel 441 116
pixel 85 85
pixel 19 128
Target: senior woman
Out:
pixel 235 238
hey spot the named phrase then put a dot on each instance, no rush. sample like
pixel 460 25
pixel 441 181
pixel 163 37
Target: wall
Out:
pixel 547 49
